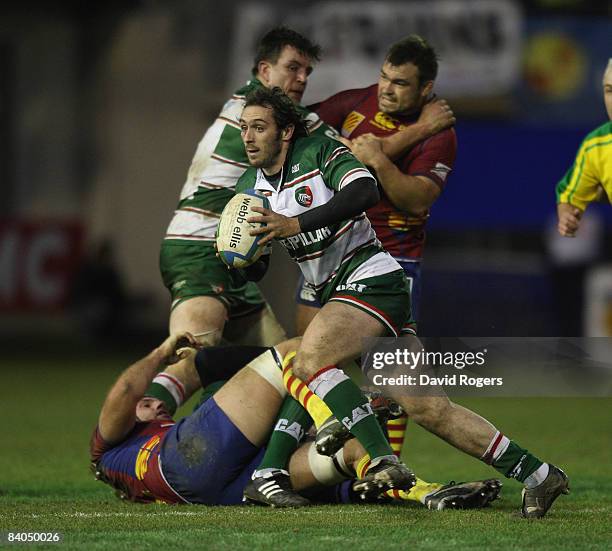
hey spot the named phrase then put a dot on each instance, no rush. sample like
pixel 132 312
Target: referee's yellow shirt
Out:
pixel 592 167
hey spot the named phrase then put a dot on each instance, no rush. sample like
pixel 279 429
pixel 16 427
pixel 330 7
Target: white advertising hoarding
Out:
pixel 478 41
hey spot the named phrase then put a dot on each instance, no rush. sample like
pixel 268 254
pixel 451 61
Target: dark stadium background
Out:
pixel 102 105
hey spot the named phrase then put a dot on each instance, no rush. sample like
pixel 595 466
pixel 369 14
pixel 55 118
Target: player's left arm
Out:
pixel 413 192
pixel 348 202
pixel 355 188
pixel 339 168
pixel 435 116
pixel 118 414
pixel 579 188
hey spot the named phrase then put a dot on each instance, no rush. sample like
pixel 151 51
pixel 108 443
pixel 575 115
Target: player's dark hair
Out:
pixel 415 49
pixel 272 43
pixel 283 109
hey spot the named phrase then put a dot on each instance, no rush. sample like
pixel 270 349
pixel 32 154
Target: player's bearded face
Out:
pixel 261 137
pixel 399 90
pixel 149 409
pixel 290 73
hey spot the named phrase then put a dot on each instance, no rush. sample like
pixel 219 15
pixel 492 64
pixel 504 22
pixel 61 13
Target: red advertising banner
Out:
pixel 38 259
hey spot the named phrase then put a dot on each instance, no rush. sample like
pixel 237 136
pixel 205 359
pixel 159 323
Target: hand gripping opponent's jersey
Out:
pixel 315 169
pixel 132 466
pixel 592 168
pixel 219 161
pixel 355 112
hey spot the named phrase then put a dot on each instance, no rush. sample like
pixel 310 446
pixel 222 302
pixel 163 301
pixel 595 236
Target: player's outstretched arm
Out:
pixel 435 117
pixel 569 219
pixel 118 414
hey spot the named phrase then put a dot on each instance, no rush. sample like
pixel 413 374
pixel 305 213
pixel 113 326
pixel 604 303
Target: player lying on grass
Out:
pixel 208 456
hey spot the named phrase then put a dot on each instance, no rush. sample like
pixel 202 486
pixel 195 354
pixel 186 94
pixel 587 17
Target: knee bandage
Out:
pixel 328 470
pixel 268 366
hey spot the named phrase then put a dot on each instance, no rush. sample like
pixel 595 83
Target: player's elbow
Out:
pixel 370 196
pixel 417 205
pixel 256 272
pixel 414 209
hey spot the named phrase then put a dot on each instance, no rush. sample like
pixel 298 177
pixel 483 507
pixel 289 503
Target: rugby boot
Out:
pixel 537 501
pixel 383 406
pixel 385 473
pixel 464 495
pixel 273 489
pixel 332 434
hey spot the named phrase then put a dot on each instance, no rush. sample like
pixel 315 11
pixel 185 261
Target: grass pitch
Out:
pixel 49 408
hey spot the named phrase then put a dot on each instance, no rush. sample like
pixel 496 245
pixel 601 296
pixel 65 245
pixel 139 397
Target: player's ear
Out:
pixel 263 71
pixel 287 133
pixel 427 88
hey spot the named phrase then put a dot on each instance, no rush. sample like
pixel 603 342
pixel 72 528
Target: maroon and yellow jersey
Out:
pixel 355 112
pixel 132 466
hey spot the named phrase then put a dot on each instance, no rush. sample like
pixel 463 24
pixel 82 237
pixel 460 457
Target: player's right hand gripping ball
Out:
pixel 235 246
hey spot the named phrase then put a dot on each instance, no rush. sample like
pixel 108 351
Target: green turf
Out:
pixel 48 409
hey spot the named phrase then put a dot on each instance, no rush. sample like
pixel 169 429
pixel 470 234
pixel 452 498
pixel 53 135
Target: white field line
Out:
pixel 149 513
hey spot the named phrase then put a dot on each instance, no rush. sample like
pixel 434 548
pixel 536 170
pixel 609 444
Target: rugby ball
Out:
pixel 235 246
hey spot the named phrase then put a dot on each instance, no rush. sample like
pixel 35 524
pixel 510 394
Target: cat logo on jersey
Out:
pixel 385 122
pixel 303 195
pixel 351 122
pixel 142 459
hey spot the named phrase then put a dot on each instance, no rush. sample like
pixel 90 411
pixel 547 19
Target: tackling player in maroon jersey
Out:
pixel 413 179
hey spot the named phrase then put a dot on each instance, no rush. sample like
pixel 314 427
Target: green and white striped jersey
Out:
pixel 219 161
pixel 314 170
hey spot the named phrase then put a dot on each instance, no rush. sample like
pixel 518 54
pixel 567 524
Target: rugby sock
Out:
pixel 351 407
pixel 221 363
pixel 338 493
pixel 507 457
pixel 313 404
pixel 292 422
pixel 168 389
pixel 396 429
pixel 538 476
pixel 362 466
